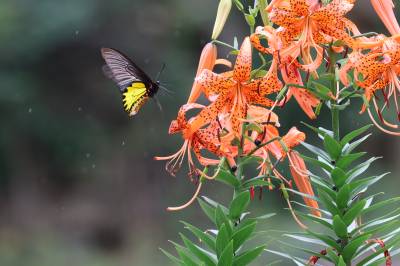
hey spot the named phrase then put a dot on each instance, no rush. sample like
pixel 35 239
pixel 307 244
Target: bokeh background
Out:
pixel 78 183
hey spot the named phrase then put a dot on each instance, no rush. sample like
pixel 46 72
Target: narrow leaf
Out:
pixel 239 205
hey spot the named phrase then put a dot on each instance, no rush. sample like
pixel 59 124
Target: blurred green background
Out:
pixel 78 183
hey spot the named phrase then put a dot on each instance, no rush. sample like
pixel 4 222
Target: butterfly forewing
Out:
pixel 122 70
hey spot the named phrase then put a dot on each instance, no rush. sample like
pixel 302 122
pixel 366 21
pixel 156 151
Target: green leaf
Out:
pixel 354 212
pixel 339 177
pixel 351 248
pixel 221 218
pixel 361 184
pixel 204 237
pixel 228 178
pixel 379 251
pixel 316 150
pixel 347 159
pixel 305 195
pixel 250 19
pixel 320 131
pixel 380 205
pixel 350 136
pixel 248 256
pixel 339 227
pixel 321 91
pixel 325 238
pixel 265 216
pixel 328 190
pixel 254 127
pixel 350 147
pixel 316 162
pixel 186 256
pixel 215 204
pixel 341 262
pixel 296 260
pixel 200 253
pixel 172 257
pixel 207 209
pixel 328 202
pixel 332 147
pixel 222 240
pixel 239 205
pixel 240 236
pixel 305 239
pixel 256 182
pixel 305 250
pixel 315 219
pixel 343 196
pixel 332 254
pixel 239 5
pixel 226 258
pixel 361 168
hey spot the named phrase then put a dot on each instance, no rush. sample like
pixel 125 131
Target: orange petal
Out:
pixel 242 70
pixel 384 9
pixel 266 85
pixel 293 138
pixel 299 172
pixel 207 115
pixel 207 61
pixel 214 83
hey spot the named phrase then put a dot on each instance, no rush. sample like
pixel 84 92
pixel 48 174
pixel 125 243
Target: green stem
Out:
pixel 335 117
pixel 335 122
pixel 334 110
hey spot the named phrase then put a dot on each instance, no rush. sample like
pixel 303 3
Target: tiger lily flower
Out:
pixel 379 69
pixel 288 67
pixel 202 139
pixel 306 24
pixel 234 93
pixel 280 150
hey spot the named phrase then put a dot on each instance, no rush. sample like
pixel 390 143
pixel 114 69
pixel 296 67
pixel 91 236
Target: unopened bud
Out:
pixel 207 61
pixel 224 8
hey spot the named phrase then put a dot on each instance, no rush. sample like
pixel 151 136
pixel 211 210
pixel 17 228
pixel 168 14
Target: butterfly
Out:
pixel 135 85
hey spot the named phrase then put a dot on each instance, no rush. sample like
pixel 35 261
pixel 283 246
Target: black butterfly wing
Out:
pixel 122 70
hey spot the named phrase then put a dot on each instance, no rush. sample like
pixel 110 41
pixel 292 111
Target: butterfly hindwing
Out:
pixel 136 87
pixel 134 97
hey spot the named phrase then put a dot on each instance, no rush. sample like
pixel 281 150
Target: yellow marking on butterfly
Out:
pixel 134 97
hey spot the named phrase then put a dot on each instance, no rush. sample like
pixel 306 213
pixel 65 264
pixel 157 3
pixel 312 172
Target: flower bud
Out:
pixel 224 8
pixel 207 61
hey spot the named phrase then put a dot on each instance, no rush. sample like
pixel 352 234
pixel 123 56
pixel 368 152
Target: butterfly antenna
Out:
pixel 159 73
pixel 158 103
pixel 167 90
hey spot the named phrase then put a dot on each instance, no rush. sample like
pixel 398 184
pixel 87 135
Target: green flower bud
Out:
pixel 224 8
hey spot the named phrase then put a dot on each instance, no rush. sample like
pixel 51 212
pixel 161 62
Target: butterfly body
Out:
pixel 135 85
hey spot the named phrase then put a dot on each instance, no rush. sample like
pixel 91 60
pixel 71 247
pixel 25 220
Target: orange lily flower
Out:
pixel 206 138
pixel 305 25
pixel 233 94
pixel 297 166
pixel 379 69
pixel 288 66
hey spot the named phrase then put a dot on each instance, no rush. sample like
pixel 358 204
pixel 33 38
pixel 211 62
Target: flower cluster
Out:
pixel 309 50
pixel 300 39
